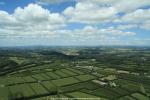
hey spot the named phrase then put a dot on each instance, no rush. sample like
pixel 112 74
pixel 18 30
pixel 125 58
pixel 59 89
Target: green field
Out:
pixel 23 90
pixel 140 96
pixel 65 81
pixel 38 89
pixel 54 74
pixel 85 77
pixel 82 95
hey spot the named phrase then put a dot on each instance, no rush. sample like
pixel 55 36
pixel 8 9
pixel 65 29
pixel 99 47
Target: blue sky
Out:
pixel 74 22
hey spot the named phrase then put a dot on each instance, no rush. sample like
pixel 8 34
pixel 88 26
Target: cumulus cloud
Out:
pixel 118 32
pixel 32 19
pixel 89 13
pixel 121 5
pixel 128 26
pixel 94 35
pixel 146 25
pixel 138 16
pixel 45 2
pixel 104 11
pixel 90 31
pixel 36 14
pixel 130 5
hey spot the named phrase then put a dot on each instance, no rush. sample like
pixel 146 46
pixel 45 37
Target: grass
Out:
pixel 11 80
pixel 61 74
pixel 70 73
pixel 45 76
pixel 29 79
pixel 117 90
pixel 122 82
pixel 106 72
pixel 4 93
pixel 18 60
pixel 147 88
pixel 38 77
pixel 38 89
pixel 3 81
pixel 131 87
pixel 41 98
pixel 15 80
pixel 65 81
pixel 53 75
pixel 98 74
pixel 140 96
pixel 83 85
pixel 50 87
pixel 138 79
pixel 22 90
pixel 102 92
pixel 54 97
pixel 85 77
pixel 81 95
pixel 110 77
pixel 75 71
pixel 127 98
pixel 128 85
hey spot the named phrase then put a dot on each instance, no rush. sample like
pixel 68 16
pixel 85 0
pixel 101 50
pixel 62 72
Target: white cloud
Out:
pixel 32 19
pixel 121 5
pixel 137 19
pixel 5 18
pixel 146 25
pixel 117 32
pixel 128 26
pixel 45 2
pixel 94 36
pixel 89 13
pixel 90 31
pixel 138 16
pixel 36 14
pixel 104 11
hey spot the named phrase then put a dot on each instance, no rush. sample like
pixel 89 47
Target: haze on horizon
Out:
pixel 74 22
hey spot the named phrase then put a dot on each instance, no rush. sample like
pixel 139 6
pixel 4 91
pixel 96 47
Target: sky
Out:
pixel 74 22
